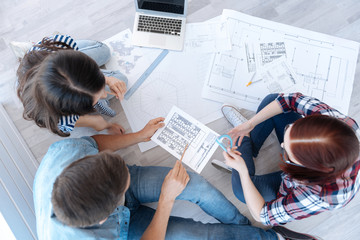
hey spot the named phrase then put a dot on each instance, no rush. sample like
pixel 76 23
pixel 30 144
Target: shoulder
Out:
pixel 61 154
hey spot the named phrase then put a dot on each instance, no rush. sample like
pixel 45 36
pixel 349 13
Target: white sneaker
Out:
pixel 221 165
pixel 233 115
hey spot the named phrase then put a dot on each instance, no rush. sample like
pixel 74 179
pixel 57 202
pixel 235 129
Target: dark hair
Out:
pixel 325 145
pixel 54 82
pixel 89 190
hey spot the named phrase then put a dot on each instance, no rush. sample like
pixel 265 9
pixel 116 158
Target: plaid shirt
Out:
pixel 296 200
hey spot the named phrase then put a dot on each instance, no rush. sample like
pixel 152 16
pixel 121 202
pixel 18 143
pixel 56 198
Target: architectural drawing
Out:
pixel 182 130
pixel 207 37
pixel 177 80
pixel 324 65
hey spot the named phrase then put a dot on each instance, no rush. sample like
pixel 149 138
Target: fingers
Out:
pixel 116 129
pixel 157 120
pixel 182 175
pixel 240 140
pixel 226 155
pixel 122 130
pixel 119 88
pixel 176 168
pixel 233 152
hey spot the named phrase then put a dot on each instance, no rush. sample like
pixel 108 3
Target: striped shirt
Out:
pixel 57 38
pixel 296 200
pixel 66 123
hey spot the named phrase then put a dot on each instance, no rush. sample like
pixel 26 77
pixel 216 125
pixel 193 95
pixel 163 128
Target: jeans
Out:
pixel 145 187
pixel 96 50
pixel 268 185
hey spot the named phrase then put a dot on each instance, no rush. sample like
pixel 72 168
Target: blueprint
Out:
pixel 182 131
pixel 207 37
pixel 324 66
pixel 177 80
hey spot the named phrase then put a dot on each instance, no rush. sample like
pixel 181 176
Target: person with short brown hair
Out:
pixel 80 193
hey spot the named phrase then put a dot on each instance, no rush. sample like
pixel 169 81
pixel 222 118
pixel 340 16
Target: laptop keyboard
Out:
pixel 159 25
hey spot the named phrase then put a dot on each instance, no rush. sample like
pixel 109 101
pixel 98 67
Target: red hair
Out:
pixel 325 145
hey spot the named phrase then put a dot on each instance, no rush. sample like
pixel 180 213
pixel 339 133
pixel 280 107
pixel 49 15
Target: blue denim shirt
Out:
pixel 58 157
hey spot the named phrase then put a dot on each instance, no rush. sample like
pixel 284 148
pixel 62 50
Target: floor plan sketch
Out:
pixel 158 95
pixel 324 65
pixel 182 130
pixel 205 37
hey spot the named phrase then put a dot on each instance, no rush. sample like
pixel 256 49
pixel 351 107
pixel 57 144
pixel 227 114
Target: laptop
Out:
pixel 160 24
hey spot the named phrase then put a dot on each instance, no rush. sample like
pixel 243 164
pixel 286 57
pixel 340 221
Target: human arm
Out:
pixel 292 102
pixel 116 142
pixel 244 129
pixel 174 183
pixel 98 123
pixel 253 198
pixel 117 86
pixel 306 105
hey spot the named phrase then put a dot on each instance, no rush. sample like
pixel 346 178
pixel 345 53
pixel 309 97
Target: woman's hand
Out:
pixel 117 86
pixel 114 128
pixel 240 131
pixel 233 159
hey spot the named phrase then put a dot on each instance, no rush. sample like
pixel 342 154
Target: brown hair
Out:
pixel 88 190
pixel 53 82
pixel 325 145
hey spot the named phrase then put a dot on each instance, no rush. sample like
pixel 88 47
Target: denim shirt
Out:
pixel 58 157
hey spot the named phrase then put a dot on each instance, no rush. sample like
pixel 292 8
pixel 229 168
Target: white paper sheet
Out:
pixel 207 37
pixel 181 130
pixel 324 65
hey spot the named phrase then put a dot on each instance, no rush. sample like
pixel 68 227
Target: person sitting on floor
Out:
pixel 80 193
pixel 320 158
pixel 60 83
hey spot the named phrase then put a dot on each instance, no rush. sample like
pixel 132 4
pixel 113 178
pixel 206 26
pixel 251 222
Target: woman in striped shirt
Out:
pixel 60 83
pixel 320 158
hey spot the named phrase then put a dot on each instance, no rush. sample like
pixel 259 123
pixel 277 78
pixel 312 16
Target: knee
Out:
pixel 105 53
pixel 200 185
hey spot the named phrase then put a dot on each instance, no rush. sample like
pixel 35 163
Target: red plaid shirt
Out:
pixel 296 200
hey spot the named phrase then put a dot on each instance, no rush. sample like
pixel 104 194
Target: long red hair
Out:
pixel 325 145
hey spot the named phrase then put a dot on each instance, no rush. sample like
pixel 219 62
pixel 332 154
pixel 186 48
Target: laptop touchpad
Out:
pixel 157 39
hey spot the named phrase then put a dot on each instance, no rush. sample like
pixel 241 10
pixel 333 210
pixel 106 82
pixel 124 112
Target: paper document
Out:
pixel 181 130
pixel 324 65
pixel 207 37
pixel 277 76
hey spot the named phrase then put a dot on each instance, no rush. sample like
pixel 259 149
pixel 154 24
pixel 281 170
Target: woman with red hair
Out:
pixel 320 158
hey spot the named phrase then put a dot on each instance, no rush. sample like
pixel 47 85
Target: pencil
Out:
pixel 252 78
pixel 251 82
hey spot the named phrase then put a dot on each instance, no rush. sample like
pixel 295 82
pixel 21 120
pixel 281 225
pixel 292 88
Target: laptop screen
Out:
pixel 169 6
